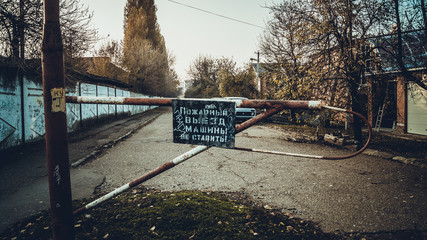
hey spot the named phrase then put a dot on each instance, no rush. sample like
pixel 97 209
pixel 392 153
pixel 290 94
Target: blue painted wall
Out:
pixel 22 114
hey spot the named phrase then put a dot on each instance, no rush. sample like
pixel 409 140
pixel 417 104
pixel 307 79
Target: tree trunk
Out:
pixel 423 10
pixel 15 41
pixel 356 106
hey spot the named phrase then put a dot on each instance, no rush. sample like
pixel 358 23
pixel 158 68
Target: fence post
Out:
pixel 56 134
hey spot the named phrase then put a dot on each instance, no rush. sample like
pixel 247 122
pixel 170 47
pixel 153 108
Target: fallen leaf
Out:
pixel 106 236
pixel 253 232
pixel 153 228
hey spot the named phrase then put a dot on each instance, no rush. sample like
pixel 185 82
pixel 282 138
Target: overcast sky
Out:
pixel 192 27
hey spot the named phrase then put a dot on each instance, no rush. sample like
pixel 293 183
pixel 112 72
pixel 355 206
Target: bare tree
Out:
pixel 399 54
pixel 402 37
pixel 321 40
pixel 78 37
pixel 21 28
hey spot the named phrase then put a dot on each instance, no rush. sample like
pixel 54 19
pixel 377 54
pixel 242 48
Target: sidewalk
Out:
pixel 401 157
pixel 301 136
pixel 23 172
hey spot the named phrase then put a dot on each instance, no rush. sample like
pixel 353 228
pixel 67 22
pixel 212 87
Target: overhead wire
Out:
pixel 215 14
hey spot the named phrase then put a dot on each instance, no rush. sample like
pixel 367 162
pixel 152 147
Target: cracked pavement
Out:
pixel 361 194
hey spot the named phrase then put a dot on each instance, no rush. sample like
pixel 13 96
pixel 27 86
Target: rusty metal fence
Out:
pixel 271 107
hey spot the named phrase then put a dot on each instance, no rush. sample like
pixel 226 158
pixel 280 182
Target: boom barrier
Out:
pixel 271 107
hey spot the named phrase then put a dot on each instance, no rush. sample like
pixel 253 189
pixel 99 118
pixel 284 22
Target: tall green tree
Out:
pixel 237 82
pixel 219 77
pixel 144 51
pixel 203 77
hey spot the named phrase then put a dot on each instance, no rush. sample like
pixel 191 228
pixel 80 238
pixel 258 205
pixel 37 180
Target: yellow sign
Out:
pixel 58 99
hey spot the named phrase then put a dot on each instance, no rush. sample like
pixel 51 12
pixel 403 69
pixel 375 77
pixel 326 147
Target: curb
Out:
pixel 110 144
pixel 419 162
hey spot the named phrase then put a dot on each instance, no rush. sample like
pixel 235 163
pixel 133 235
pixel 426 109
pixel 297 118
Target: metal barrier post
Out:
pixel 56 124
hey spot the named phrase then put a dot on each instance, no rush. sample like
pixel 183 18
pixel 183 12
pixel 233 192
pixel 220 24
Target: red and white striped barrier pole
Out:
pixel 153 173
pixel 173 163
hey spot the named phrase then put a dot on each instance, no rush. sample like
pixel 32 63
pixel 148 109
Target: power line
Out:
pixel 216 14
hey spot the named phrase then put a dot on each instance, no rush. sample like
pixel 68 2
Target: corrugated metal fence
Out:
pixel 22 114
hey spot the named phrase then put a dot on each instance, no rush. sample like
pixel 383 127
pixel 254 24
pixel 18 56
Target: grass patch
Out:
pixel 174 215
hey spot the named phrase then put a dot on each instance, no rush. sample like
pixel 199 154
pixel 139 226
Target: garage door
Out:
pixel 417 109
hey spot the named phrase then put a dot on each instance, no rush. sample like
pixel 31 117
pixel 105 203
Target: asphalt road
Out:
pixel 362 194
pixel 23 172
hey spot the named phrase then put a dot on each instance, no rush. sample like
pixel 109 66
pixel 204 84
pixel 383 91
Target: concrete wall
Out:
pixel 22 114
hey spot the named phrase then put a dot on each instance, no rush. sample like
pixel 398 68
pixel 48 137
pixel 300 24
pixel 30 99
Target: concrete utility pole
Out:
pixel 56 124
pixel 257 72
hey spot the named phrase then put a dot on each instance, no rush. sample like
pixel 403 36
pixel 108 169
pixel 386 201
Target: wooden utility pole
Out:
pixel 21 31
pixel 56 124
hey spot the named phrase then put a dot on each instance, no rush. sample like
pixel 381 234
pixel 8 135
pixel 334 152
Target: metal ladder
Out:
pixel 381 111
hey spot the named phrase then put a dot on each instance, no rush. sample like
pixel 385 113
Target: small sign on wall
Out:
pixel 209 123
